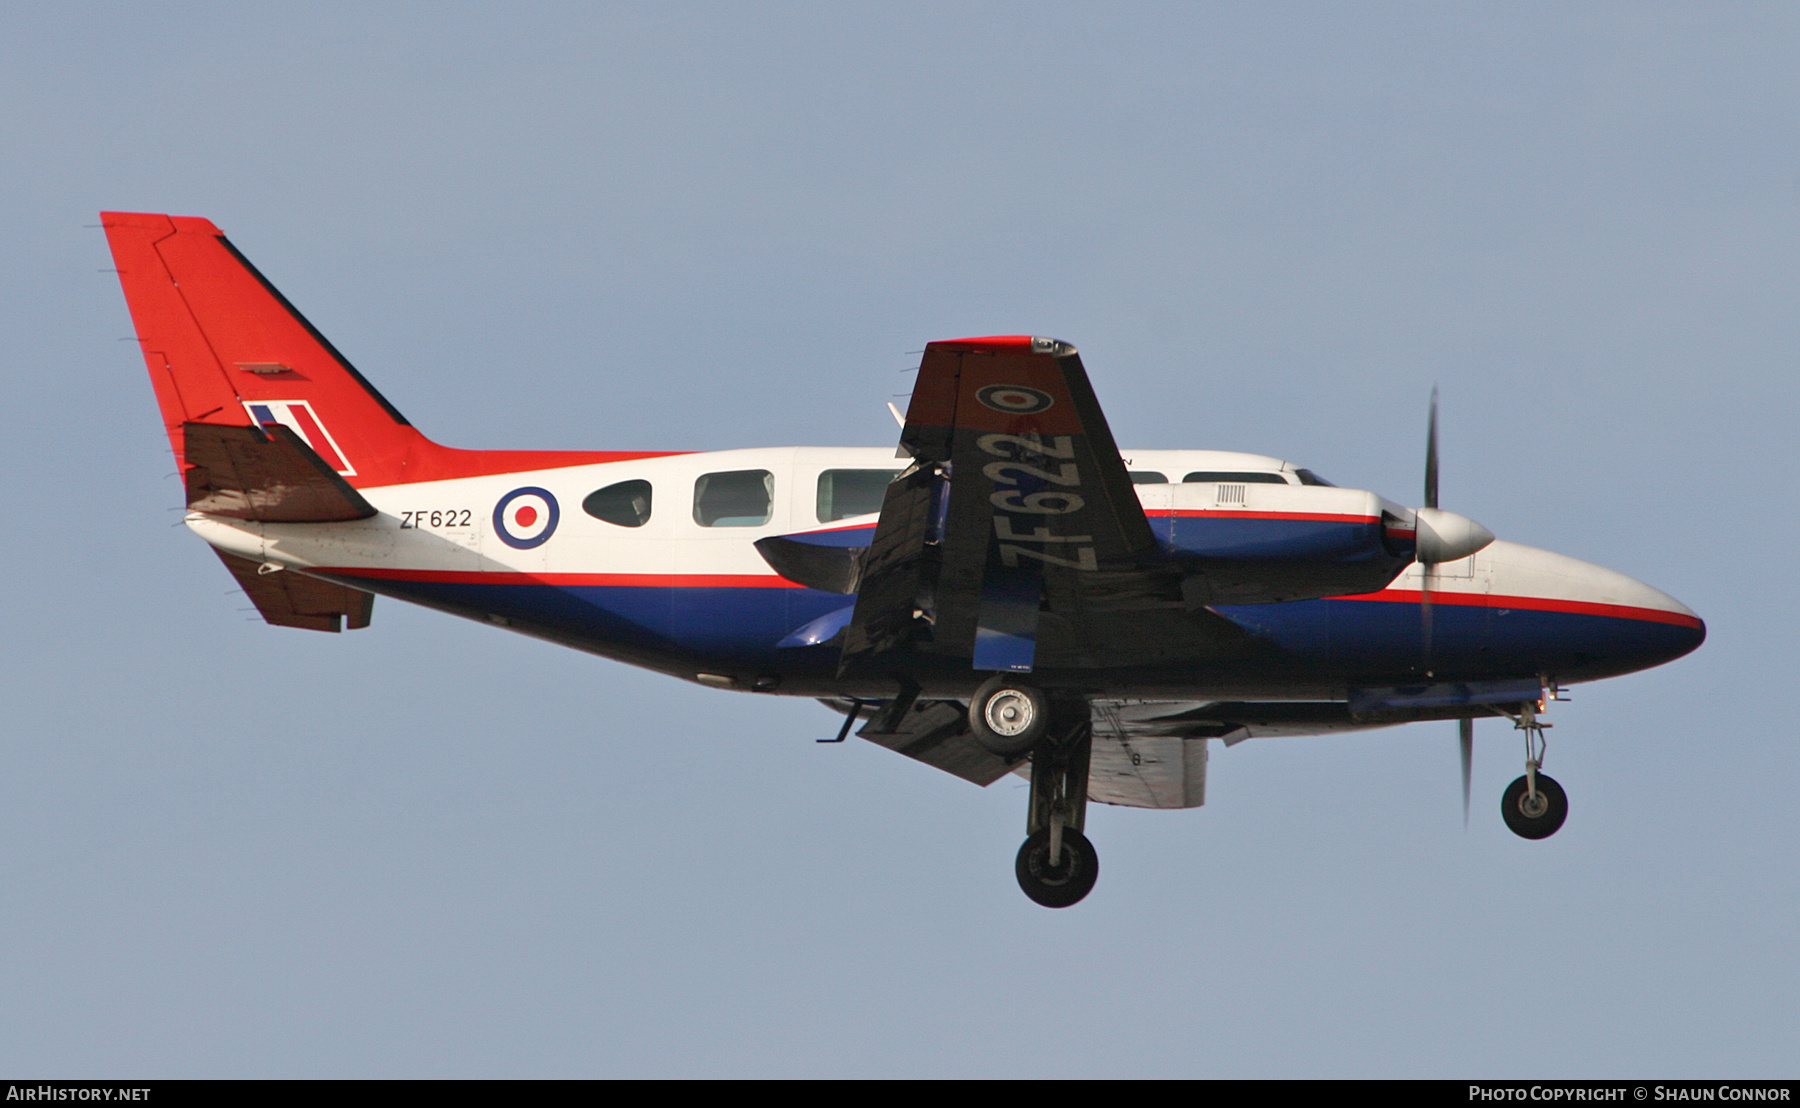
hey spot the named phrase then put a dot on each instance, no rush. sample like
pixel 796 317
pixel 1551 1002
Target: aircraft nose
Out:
pixel 1682 631
pixel 1586 621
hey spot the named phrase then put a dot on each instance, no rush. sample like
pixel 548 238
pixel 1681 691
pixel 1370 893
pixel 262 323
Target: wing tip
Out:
pixel 1035 344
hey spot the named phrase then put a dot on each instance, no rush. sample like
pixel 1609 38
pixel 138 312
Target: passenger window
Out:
pixel 626 504
pixel 852 492
pixel 739 498
pixel 1205 475
pixel 1148 477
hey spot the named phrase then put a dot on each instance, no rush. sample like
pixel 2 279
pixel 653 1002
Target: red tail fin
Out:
pixel 223 346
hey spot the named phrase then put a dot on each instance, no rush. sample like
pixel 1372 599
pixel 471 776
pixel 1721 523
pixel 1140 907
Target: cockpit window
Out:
pixel 852 492
pixel 1148 477
pixel 626 504
pixel 737 498
pixel 1308 477
pixel 1205 475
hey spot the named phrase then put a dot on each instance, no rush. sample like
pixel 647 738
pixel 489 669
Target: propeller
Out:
pixel 1442 536
pixel 1438 536
pixel 1431 465
pixel 1427 570
pixel 1465 729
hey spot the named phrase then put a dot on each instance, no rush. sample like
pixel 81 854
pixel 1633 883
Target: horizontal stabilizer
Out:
pixel 267 474
pixel 289 599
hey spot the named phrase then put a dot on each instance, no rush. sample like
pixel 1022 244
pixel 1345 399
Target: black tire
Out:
pixel 1008 716
pixel 1062 885
pixel 1541 825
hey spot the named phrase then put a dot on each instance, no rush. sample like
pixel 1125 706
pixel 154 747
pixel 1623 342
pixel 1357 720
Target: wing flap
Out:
pixel 893 607
pixel 936 732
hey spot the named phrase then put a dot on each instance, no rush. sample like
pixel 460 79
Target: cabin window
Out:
pixel 626 504
pixel 1148 477
pixel 1205 475
pixel 737 498
pixel 852 492
pixel 1308 477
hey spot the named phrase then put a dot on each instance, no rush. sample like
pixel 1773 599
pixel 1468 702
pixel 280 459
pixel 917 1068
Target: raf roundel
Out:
pixel 525 518
pixel 1015 399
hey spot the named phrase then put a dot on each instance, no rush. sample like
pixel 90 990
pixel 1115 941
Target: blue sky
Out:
pixel 433 848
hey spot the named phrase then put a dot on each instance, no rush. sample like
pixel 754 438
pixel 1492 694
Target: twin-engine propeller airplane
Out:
pixel 1007 594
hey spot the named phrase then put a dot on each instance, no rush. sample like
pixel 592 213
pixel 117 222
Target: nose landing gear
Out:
pixel 1534 806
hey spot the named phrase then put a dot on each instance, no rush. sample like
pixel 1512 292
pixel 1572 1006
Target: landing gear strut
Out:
pixel 1057 866
pixel 1534 806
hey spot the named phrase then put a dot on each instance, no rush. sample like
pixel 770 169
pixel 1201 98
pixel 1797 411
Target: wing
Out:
pixel 1015 539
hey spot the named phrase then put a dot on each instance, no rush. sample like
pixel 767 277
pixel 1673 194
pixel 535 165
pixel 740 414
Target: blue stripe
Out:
pixel 1373 642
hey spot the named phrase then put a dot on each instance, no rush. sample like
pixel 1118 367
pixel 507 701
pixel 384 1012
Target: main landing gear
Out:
pixel 1534 806
pixel 1057 866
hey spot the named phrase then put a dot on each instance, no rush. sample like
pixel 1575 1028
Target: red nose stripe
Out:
pixel 1533 604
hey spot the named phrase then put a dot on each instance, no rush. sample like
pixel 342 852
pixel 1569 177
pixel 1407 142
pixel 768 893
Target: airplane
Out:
pixel 1008 593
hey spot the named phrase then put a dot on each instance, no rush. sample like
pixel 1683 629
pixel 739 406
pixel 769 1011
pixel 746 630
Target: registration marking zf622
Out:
pixel 1036 491
pixel 437 517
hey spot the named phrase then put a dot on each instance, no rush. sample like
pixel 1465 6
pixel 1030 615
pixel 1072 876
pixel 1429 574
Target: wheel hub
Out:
pixel 1009 713
pixel 1048 874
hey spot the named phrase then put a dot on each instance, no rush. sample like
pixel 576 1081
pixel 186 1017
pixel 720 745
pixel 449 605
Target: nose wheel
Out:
pixel 1534 806
pixel 1534 813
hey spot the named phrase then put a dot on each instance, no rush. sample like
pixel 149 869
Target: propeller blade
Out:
pixel 1431 459
pixel 1466 733
pixel 1431 501
pixel 1425 572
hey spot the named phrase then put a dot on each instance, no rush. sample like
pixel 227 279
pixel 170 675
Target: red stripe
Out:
pixel 835 530
pixel 315 436
pixel 628 580
pixel 1316 517
pixel 1533 604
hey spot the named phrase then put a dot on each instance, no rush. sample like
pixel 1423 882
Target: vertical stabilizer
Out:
pixel 225 347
